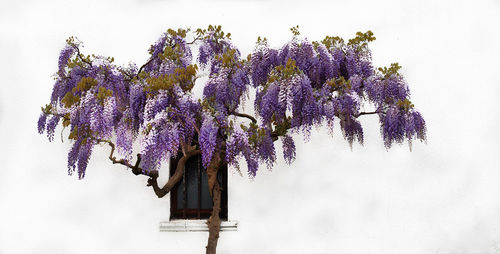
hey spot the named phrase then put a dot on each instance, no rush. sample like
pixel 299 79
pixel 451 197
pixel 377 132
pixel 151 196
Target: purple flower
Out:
pixel 51 126
pixel 64 56
pixel 261 63
pixel 288 148
pixel 208 140
pixel 415 126
pixel 347 104
pixel 269 105
pixel 73 156
pixel 393 126
pixel 205 52
pixel 42 120
pixel 329 112
pixel 352 130
pixel 237 145
pixel 266 150
pixel 84 156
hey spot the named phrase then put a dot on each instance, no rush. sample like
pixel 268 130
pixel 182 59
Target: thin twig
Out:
pixel 369 113
pixel 81 56
pixel 136 170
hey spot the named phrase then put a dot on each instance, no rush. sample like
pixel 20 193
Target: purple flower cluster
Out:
pixel 352 130
pixel 305 108
pixel 208 139
pixel 329 113
pixel 236 145
pixel 124 139
pixel 288 148
pixel 381 90
pixel 73 156
pixel 42 121
pixel 84 156
pixel 398 124
pixel 226 88
pixel 51 126
pixel 155 50
pixel 268 106
pixel 64 56
pixel 358 61
pixel 161 141
pixel 210 47
pixel 261 63
pixel 228 78
pixel 101 118
pixel 266 151
pixel 137 104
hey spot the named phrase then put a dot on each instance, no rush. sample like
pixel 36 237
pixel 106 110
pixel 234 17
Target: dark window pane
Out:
pixel 191 174
pixel 206 200
pixel 180 194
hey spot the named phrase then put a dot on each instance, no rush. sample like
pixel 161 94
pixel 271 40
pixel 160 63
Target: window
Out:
pixel 190 198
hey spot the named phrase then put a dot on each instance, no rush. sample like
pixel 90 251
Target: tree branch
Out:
pixel 194 40
pixel 244 115
pixel 368 113
pixel 136 170
pixel 174 179
pixel 130 77
pixel 81 56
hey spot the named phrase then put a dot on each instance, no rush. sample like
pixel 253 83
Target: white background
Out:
pixel 443 197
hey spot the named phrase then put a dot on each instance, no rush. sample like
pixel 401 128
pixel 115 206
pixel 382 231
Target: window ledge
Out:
pixel 195 226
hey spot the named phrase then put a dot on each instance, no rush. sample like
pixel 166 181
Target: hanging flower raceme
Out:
pixel 387 87
pixel 208 139
pixel 288 149
pixel 400 122
pixel 160 142
pixel 324 67
pixel 268 105
pixel 136 105
pixel 305 108
pixel 64 56
pixel 125 136
pixel 262 61
pixel 238 145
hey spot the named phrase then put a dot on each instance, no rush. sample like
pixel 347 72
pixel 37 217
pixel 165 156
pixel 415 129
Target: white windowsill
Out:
pixel 195 226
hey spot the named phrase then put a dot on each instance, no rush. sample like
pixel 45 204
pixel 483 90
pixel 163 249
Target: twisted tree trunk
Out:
pixel 215 192
pixel 174 179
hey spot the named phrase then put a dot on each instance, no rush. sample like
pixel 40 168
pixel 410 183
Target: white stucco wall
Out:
pixel 442 197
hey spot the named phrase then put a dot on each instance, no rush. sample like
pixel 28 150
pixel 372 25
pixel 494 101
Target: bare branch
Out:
pixel 81 56
pixel 130 76
pixel 194 40
pixel 136 170
pixel 244 115
pixel 368 113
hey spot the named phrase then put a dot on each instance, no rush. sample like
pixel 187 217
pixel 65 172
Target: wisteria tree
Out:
pixel 300 85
